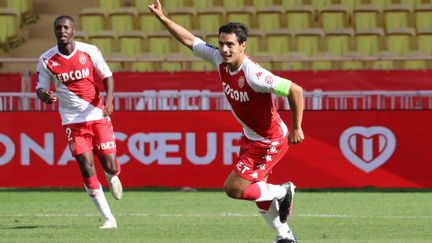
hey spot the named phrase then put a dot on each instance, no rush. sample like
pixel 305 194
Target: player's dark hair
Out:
pixel 63 17
pixel 239 29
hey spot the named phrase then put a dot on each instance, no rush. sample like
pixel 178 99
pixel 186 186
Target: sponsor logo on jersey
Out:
pixel 234 94
pixel 73 75
pixel 367 148
pixel 82 58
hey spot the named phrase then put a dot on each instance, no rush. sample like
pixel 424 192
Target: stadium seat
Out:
pixel 325 62
pixel 354 63
pixel 25 9
pixel 174 62
pixel 423 17
pixel 270 18
pixel 203 4
pixel 142 5
pixel 333 17
pixel 109 5
pixel 309 41
pixel 397 16
pixel 212 39
pixel 245 15
pixel 92 20
pixel 291 61
pixel 291 3
pixel 146 63
pixel 339 42
pixel 413 3
pixel 81 36
pixel 201 65
pixel 385 62
pixel 318 5
pixel 210 19
pixel 123 19
pixel 254 42
pixel 424 40
pixel 171 5
pixel 278 41
pixel 367 17
pixel 233 4
pixel 369 42
pixel 416 61
pixel 148 24
pixel 105 41
pixel 381 3
pixel 159 44
pixel 400 41
pixel 261 4
pixel 131 43
pixel 9 28
pixel 184 16
pixel 299 18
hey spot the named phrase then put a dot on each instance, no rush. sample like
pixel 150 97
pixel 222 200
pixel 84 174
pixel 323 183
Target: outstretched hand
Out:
pixel 48 97
pixel 156 8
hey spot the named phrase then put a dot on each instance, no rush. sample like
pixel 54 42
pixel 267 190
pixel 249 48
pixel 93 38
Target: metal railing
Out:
pixel 172 100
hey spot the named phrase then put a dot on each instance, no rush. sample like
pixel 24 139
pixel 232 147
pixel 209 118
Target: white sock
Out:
pixel 271 216
pixel 270 191
pixel 98 198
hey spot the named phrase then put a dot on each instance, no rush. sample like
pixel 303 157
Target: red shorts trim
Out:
pixel 96 136
pixel 257 158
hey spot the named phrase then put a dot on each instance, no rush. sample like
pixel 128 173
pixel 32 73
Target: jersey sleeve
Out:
pixel 100 64
pixel 43 75
pixel 263 81
pixel 206 51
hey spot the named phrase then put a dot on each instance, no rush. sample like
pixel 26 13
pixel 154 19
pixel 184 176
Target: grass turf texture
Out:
pixel 210 216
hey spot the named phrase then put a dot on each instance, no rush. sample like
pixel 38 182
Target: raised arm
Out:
pixel 180 33
pixel 295 99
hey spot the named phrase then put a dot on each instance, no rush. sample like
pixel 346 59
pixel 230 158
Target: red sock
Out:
pixel 252 192
pixel 118 167
pixel 264 205
pixel 92 182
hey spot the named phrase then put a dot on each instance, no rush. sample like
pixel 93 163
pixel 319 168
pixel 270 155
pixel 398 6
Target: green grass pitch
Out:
pixel 210 216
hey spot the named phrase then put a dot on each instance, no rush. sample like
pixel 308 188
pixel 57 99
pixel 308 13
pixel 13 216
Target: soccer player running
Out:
pixel 71 66
pixel 249 89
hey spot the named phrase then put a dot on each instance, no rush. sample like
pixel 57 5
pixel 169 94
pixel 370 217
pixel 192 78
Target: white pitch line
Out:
pixel 227 214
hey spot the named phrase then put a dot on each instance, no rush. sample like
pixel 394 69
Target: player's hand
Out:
pixel 48 97
pixel 109 108
pixel 295 136
pixel 156 8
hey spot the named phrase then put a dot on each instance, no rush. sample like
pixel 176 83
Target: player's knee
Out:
pixel 233 192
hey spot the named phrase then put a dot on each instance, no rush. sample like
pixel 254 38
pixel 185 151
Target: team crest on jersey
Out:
pixel 241 82
pixel 82 58
pixel 269 79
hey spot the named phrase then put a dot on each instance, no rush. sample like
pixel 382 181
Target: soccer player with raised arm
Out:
pixel 71 67
pixel 249 89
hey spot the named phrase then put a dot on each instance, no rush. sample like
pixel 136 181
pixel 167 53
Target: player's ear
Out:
pixel 243 46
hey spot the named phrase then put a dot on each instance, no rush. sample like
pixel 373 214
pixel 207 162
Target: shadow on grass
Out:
pixel 24 227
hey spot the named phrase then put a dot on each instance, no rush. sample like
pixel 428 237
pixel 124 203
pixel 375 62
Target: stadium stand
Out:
pixel 335 34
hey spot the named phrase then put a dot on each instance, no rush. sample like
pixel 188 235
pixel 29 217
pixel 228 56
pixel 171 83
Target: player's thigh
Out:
pixel 79 138
pixel 103 140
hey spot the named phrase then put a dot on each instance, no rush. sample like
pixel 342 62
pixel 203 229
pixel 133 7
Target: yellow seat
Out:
pixel 261 4
pixel 369 42
pixel 333 17
pixel 381 3
pixel 159 44
pixel 339 42
pixel 423 17
pixel 291 3
pixel 184 16
pixel 203 4
pixel 212 39
pixel 174 63
pixel 233 4
pixel 400 41
pixel 291 61
pixel 270 18
pixel 309 41
pixel 148 24
pixel 355 63
pixel 299 18
pixel 123 19
pixel 254 42
pixel 318 5
pixel 201 65
pixel 81 36
pixel 413 3
pixel 109 5
pixel 367 17
pixel 171 5
pixel 131 43
pixel 210 19
pixel 397 16
pixel 25 9
pixel 415 61
pixel 9 28
pixel 92 20
pixel 424 40
pixel 142 5
pixel 146 63
pixel 105 41
pixel 278 41
pixel 244 15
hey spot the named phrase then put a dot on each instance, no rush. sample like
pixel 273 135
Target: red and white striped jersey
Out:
pixel 74 79
pixel 249 90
